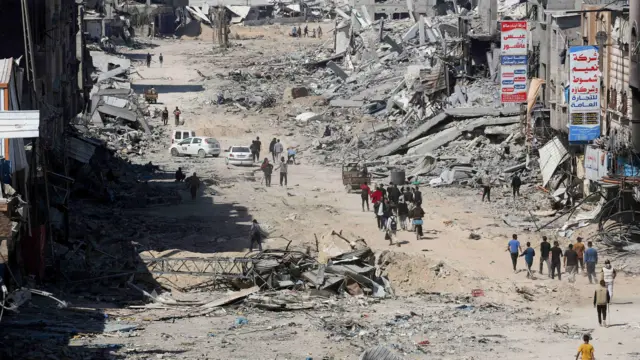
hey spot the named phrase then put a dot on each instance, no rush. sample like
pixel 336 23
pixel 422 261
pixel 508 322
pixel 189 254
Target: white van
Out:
pixel 180 134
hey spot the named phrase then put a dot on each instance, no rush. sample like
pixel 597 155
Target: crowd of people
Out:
pixel 300 32
pixel 576 258
pixel 394 207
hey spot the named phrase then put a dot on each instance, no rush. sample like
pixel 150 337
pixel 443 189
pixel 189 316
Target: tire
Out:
pixel 174 152
pixel 379 353
pixel 216 155
pixel 202 154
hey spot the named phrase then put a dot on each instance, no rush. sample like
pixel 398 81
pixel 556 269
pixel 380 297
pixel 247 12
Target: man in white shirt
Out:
pixel 278 149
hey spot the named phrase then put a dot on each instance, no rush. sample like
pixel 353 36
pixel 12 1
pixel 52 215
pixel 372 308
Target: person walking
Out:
pixel 255 149
pixel 416 216
pixel 283 167
pixel 417 196
pixel 376 199
pixel 306 31
pixel 601 299
pixel 160 59
pixel 515 185
pixel 148 60
pixel 392 228
pixel 255 235
pixel 194 185
pixel 299 31
pixel 586 349
pixel 591 260
pixel 545 249
pixel 319 32
pixel 608 274
pixel 278 149
pixel 571 263
pixel 408 195
pixel 514 248
pixel 556 262
pixel 403 212
pixel 486 187
pixel 165 116
pixel 579 249
pixel 267 169
pixel 365 192
pixel 176 115
pixel 529 254
pixel 383 210
pixel 271 149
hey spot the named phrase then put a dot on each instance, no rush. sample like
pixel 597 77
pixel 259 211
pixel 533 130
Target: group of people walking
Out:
pixel 393 206
pixel 299 32
pixel 575 258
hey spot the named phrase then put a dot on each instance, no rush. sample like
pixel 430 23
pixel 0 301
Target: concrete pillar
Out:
pixel 421 30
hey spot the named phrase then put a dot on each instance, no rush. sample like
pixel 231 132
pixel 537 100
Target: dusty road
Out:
pixel 314 202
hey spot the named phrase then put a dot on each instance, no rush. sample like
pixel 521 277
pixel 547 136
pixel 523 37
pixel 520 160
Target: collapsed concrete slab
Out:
pixel 396 145
pixel 337 70
pixel 346 103
pixel 474 112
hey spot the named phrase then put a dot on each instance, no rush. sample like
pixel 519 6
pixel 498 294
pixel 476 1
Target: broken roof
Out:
pixel 117 112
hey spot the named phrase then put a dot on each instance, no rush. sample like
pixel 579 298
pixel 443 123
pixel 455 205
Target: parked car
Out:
pixel 180 134
pixel 200 146
pixel 239 155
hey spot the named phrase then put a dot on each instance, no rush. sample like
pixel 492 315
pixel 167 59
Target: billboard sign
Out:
pixel 584 94
pixel 513 39
pixel 513 61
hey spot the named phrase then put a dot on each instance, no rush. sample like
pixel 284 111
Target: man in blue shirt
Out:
pixel 591 259
pixel 514 249
pixel 528 254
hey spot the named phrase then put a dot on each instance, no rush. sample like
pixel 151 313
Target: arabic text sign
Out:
pixel 584 80
pixel 513 39
pixel 513 83
pixel 584 126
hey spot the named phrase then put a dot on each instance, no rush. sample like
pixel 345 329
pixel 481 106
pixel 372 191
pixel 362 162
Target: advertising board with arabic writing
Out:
pixel 513 61
pixel 584 94
pixel 513 39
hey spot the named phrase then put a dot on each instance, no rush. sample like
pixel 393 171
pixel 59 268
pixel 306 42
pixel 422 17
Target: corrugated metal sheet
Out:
pixel 80 150
pixel 117 112
pixel 552 154
pixel 6 65
pixel 19 124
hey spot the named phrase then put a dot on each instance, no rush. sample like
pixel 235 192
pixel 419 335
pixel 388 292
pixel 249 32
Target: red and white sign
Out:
pixel 513 38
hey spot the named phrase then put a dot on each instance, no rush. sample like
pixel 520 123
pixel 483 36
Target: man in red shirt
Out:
pixel 364 194
pixel 376 199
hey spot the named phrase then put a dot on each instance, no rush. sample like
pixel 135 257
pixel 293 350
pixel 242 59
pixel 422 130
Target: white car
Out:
pixel 239 155
pixel 200 146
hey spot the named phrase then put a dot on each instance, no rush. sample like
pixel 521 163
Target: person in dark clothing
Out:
pixel 529 254
pixel 180 176
pixel 148 59
pixel 194 185
pixel 394 197
pixel 306 31
pixel 515 185
pixel 299 31
pixel 384 191
pixel 571 263
pixel 417 196
pixel 165 116
pixel 416 216
pixel 271 149
pixel 365 191
pixel 602 298
pixel 161 59
pixel 255 235
pixel 267 169
pixel 408 195
pixel 327 131
pixel 389 190
pixel 556 262
pixel 255 149
pixel 545 249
